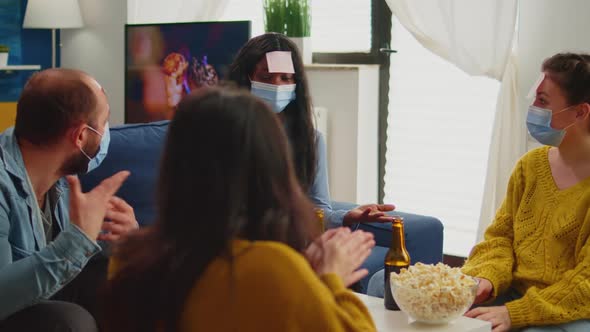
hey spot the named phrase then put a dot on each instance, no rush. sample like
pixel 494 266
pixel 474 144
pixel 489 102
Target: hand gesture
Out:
pixel 484 290
pixel 369 213
pixel 119 220
pixel 87 210
pixel 313 253
pixel 498 316
pixel 341 252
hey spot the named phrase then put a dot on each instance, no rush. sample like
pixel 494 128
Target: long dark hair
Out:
pixel 298 114
pixel 226 173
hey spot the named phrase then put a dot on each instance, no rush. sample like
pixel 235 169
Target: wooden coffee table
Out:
pixel 397 321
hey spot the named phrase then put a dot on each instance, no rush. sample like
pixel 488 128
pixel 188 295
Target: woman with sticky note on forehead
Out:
pixel 270 66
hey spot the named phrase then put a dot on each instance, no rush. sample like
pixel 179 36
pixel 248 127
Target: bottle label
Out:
pixel 389 301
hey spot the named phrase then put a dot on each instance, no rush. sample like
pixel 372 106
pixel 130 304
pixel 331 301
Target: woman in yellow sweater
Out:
pixel 235 246
pixel 534 263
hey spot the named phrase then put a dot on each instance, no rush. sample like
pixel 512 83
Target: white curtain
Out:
pixel 170 11
pixel 477 37
pixel 508 144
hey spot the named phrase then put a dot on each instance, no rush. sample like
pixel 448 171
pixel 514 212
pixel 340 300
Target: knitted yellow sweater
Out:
pixel 538 244
pixel 269 287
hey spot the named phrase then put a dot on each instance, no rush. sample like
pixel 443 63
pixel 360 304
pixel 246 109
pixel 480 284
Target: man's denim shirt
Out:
pixel 30 269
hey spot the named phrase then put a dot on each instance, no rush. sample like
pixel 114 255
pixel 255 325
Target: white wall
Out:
pixel 98 49
pixel 367 173
pixel 548 27
pixel 350 93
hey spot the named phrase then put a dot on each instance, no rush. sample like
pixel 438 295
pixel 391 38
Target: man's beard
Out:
pixel 78 163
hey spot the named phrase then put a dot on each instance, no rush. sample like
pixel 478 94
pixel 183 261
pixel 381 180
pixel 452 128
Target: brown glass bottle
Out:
pixel 319 213
pixel 396 259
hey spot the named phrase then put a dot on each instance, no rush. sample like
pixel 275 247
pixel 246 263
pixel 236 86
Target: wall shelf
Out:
pixel 20 67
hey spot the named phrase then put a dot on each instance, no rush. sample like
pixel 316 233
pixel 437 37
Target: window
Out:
pixel 347 29
pixel 439 128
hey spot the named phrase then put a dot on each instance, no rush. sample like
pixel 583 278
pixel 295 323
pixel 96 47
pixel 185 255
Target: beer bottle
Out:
pixel 319 213
pixel 396 259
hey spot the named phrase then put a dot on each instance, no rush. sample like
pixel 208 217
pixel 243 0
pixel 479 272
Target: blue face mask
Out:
pixel 105 139
pixel 277 96
pixel 539 125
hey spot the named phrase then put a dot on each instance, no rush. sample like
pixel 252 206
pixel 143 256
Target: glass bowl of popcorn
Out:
pixel 433 294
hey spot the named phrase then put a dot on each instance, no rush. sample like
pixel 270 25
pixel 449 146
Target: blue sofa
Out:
pixel 138 147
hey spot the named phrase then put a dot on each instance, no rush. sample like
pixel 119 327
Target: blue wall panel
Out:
pixel 27 46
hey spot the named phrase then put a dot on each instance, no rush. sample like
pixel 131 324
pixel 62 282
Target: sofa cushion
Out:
pixel 136 148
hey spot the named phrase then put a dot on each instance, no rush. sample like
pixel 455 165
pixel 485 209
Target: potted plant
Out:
pixel 4 55
pixel 293 19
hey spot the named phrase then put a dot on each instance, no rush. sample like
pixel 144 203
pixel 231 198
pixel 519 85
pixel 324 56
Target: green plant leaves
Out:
pixel 289 17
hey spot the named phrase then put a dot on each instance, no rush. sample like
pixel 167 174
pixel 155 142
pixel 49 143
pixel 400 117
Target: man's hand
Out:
pixel 369 213
pixel 119 220
pixel 498 316
pixel 87 210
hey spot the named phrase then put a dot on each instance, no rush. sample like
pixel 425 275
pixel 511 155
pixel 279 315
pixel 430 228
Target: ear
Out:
pixel 583 111
pixel 76 135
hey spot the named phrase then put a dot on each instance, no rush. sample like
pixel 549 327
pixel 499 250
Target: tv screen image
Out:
pixel 165 62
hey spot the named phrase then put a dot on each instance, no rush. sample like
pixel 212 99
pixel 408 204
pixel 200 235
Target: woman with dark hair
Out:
pixel 227 250
pixel 270 66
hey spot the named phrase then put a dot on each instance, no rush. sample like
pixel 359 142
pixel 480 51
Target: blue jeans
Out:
pixel 376 286
pixel 373 263
pixel 423 241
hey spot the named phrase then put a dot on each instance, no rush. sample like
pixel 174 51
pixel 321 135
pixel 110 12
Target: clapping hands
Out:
pixel 341 251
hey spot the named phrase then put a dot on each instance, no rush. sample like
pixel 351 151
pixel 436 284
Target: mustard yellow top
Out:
pixel 271 287
pixel 538 244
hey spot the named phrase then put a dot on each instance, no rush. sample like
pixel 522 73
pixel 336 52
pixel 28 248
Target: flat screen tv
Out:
pixel 165 62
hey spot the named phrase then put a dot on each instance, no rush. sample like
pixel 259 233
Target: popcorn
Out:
pixel 433 293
